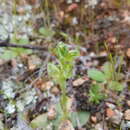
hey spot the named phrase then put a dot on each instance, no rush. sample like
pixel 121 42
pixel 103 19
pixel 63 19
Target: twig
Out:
pixel 3 44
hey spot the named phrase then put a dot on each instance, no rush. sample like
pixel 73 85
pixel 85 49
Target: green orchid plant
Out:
pixel 62 71
pixel 104 78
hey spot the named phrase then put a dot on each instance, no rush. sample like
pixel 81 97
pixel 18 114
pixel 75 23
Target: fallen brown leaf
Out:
pixel 78 82
pixel 72 7
pixel 128 52
pixel 110 112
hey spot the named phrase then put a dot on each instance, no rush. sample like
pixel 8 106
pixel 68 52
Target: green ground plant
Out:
pixel 62 71
pixel 47 33
pixel 109 77
pixel 105 77
pixel 95 94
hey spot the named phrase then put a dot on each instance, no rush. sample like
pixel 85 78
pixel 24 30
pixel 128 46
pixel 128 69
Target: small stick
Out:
pixel 3 44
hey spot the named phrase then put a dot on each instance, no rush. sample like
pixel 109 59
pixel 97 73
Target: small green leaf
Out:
pixel 54 72
pixel 61 50
pixel 19 51
pixel 107 69
pixel 58 118
pixel 22 40
pixel 8 54
pixel 46 32
pixel 64 54
pixel 114 85
pixel 40 121
pixel 52 69
pixel 74 53
pixel 65 35
pixel 59 109
pixel 67 73
pixel 79 118
pixel 96 75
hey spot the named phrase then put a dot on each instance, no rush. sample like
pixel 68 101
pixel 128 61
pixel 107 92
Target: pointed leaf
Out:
pixel 79 118
pixel 96 75
pixel 107 69
pixel 40 121
pixel 117 86
pixel 61 50
pixel 52 70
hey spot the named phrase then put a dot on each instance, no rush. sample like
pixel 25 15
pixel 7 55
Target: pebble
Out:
pixel 103 54
pixel 128 52
pixel 110 105
pixel 21 11
pixel 127 114
pixel 55 90
pixel 128 103
pixel 10 108
pixel 46 86
pixel 75 21
pixel 92 55
pixel 117 117
pixel 125 125
pixel 94 119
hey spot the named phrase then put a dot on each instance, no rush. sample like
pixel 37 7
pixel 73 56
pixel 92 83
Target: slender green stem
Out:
pixel 119 68
pixel 112 68
pixel 63 100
